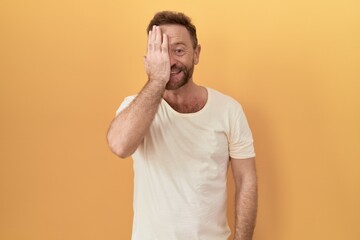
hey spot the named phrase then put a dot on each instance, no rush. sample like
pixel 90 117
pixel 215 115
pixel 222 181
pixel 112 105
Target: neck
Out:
pixel 187 99
pixel 181 93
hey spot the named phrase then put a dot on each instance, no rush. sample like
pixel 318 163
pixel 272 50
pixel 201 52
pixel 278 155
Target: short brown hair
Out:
pixel 170 17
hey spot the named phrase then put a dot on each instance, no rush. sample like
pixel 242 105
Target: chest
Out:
pixel 191 106
pixel 196 136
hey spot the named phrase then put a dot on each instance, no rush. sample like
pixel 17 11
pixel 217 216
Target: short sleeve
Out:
pixel 125 104
pixel 241 140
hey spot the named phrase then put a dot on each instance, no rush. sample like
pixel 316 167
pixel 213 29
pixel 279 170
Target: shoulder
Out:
pixel 223 101
pixel 125 103
pixel 130 97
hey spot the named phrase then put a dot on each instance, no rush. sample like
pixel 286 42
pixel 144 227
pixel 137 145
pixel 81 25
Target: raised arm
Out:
pixel 129 127
pixel 244 173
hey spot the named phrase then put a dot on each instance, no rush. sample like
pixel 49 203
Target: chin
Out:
pixel 174 85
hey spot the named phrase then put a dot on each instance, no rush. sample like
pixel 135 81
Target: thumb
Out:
pixel 146 64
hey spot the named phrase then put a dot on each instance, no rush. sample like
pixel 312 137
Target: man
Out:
pixel 182 138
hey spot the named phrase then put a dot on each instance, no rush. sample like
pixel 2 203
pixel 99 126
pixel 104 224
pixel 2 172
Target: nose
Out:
pixel 172 59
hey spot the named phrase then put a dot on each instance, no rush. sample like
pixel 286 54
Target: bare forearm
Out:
pixel 128 129
pixel 246 209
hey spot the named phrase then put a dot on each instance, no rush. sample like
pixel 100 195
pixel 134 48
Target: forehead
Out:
pixel 176 33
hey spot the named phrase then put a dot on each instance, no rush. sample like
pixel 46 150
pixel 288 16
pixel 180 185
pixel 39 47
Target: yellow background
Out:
pixel 65 66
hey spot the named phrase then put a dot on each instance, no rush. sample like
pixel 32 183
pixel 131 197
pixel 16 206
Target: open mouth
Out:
pixel 175 71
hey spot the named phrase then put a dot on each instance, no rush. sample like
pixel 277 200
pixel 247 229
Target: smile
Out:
pixel 175 71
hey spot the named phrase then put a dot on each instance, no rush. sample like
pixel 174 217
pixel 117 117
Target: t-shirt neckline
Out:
pixel 194 113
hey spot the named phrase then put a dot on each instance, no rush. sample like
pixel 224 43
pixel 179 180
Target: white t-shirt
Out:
pixel 180 170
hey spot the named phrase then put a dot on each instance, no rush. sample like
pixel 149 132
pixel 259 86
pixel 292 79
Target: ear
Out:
pixel 197 54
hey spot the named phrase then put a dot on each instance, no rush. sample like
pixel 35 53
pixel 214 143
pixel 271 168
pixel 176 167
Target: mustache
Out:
pixel 177 68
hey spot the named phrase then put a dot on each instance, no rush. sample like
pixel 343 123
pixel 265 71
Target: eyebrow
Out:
pixel 178 43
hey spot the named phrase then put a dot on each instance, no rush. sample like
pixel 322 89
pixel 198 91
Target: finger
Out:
pixel 157 41
pixel 151 39
pixel 149 45
pixel 153 33
pixel 165 44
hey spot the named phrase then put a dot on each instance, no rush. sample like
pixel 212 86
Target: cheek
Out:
pixel 187 60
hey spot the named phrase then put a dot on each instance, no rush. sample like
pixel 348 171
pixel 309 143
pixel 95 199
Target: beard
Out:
pixel 175 83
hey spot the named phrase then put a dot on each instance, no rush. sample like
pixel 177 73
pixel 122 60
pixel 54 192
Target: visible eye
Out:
pixel 179 51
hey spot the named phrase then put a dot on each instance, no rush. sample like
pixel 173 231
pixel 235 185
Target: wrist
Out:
pixel 160 83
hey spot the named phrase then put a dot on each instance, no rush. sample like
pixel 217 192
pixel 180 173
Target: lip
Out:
pixel 175 72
